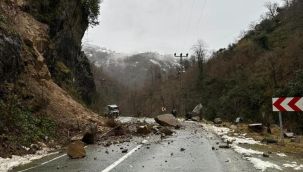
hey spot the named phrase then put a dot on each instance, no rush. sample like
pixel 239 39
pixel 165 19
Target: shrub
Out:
pixel 93 9
pixel 21 125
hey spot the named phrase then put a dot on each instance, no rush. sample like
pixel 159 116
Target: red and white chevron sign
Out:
pixel 283 104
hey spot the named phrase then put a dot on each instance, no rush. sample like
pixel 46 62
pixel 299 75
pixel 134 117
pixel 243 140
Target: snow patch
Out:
pixel 294 165
pixel 7 164
pixel 245 152
pixel 281 154
pixel 239 140
pixel 263 165
pixel 155 62
pixel 217 130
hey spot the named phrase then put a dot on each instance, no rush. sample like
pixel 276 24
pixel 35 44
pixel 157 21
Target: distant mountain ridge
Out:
pixel 130 70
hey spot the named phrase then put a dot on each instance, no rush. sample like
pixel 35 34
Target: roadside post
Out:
pixel 286 104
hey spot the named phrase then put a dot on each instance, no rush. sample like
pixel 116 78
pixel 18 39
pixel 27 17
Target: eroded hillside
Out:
pixel 42 72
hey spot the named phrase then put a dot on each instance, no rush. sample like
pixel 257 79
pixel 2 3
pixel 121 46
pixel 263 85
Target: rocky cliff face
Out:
pixel 54 29
pixel 67 21
pixel 41 64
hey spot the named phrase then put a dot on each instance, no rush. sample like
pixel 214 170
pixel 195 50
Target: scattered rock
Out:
pixel 34 148
pixel 233 127
pixel 265 155
pixel 289 134
pixel 167 120
pixel 95 158
pixel 166 131
pixel 196 118
pixel 147 147
pixel 257 127
pixel 218 121
pixel 224 146
pixel 144 130
pixel 171 154
pixel 76 138
pixel 124 150
pixel 182 149
pixel 107 144
pixel 76 150
pixel 213 148
pixel 106 152
pixel 144 142
pixel 165 160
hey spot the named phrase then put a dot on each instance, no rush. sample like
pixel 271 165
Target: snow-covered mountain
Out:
pixel 131 70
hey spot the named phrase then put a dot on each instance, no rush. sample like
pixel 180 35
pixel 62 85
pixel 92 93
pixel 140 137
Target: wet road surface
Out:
pixel 158 155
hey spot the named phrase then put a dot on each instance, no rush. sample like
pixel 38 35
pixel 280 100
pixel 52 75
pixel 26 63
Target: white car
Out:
pixel 112 111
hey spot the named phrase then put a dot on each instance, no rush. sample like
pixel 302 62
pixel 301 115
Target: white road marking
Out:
pixel 113 165
pixel 46 162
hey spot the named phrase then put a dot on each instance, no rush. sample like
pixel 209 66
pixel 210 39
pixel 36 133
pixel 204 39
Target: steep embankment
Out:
pixel 40 53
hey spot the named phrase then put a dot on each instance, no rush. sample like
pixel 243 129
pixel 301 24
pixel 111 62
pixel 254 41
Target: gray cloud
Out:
pixel 169 26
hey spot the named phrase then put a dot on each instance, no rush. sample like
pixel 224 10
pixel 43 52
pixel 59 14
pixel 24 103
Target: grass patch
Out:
pixel 21 126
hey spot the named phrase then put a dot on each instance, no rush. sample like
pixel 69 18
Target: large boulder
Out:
pixel 89 136
pixel 167 120
pixel 76 150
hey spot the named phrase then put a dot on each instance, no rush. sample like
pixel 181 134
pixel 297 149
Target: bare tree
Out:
pixel 272 8
pixel 200 52
pixel 287 3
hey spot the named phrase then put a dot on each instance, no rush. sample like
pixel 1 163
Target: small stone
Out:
pixel 182 149
pixel 95 158
pixel 224 146
pixel 165 160
pixel 106 152
pixel 213 148
pixel 147 147
pixel 124 150
pixel 58 167
pixel 171 154
pixel 265 155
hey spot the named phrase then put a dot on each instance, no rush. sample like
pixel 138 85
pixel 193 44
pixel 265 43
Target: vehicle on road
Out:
pixel 112 111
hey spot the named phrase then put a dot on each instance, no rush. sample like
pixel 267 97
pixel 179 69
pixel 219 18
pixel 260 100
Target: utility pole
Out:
pixel 181 56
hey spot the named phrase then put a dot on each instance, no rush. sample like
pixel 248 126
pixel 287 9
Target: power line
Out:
pixel 200 17
pixel 189 21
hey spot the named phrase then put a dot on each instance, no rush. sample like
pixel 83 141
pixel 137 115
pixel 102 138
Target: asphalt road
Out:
pixel 158 155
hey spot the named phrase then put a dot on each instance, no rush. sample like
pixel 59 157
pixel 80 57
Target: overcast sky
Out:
pixel 168 26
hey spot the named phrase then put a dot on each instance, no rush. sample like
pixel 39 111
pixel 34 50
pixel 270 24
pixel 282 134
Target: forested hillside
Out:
pixel 267 62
